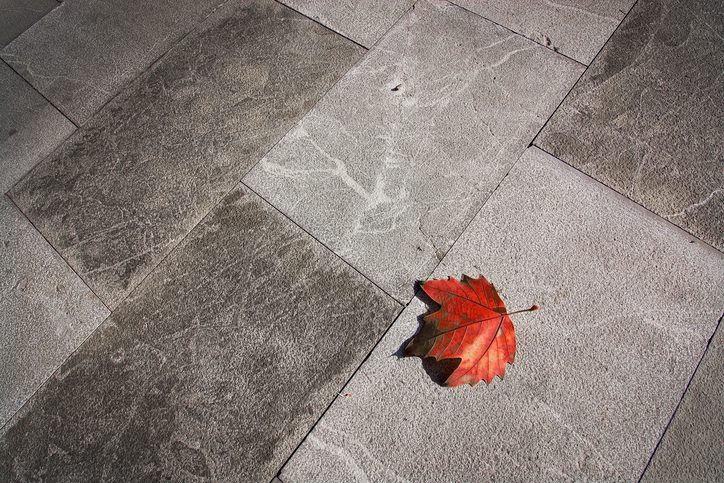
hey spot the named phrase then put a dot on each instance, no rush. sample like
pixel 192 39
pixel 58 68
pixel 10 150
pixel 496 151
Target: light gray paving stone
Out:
pixel 646 118
pixel 363 21
pixel 46 311
pixel 82 53
pixel 627 306
pixel 132 182
pixel 692 448
pixel 30 128
pixel 18 15
pixel 213 369
pixel 393 162
pixel 576 28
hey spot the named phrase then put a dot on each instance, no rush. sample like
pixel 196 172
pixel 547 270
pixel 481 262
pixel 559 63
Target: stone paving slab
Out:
pixel 576 28
pixel 215 367
pixel 46 311
pixel 363 21
pixel 646 118
pixel 128 186
pixel 30 128
pixel 692 448
pixel 17 15
pixel 396 159
pixel 628 303
pixel 81 54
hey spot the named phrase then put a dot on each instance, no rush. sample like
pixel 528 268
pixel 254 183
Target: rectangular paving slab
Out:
pixel 692 448
pixel 627 306
pixel 17 15
pixel 392 164
pixel 646 118
pixel 363 21
pixel 576 28
pixel 215 367
pixel 128 186
pixel 82 53
pixel 46 311
pixel 30 128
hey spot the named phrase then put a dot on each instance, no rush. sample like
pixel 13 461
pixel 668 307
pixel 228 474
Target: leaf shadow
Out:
pixel 438 371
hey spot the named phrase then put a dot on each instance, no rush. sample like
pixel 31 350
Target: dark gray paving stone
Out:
pixel 692 448
pixel 122 191
pixel 216 366
pixel 627 307
pixel 17 15
pixel 576 28
pixel 363 21
pixel 646 118
pixel 30 128
pixel 46 311
pixel 82 53
pixel 391 165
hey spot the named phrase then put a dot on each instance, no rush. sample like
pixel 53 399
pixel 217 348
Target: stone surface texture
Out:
pixel 392 164
pixel 646 118
pixel 693 448
pixel 128 186
pixel 17 15
pixel 628 304
pixel 363 21
pixel 214 368
pixel 81 54
pixel 576 28
pixel 30 128
pixel 46 311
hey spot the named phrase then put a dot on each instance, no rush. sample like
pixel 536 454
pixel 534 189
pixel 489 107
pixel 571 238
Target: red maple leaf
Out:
pixel 472 325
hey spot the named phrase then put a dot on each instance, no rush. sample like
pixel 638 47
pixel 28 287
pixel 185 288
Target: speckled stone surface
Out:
pixel 576 28
pixel 646 118
pixel 215 367
pixel 18 15
pixel 81 54
pixel 30 128
pixel 46 311
pixel 363 21
pixel 627 306
pixel 692 448
pixel 391 165
pixel 126 188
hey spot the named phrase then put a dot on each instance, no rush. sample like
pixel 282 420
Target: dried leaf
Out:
pixel 472 325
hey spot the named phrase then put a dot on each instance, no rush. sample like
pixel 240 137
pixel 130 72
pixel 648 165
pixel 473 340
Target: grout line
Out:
pixel 681 400
pixel 40 94
pixel 623 20
pixel 359 366
pixel 452 2
pixel 623 196
pixel 280 2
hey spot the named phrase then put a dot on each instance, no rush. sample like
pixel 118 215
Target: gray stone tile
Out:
pixel 627 305
pixel 390 166
pixel 646 118
pixel 30 128
pixel 46 311
pixel 576 28
pixel 215 367
pixel 692 448
pixel 128 186
pixel 81 54
pixel 17 15
pixel 363 21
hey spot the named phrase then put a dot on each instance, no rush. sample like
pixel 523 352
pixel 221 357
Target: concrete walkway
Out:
pixel 215 214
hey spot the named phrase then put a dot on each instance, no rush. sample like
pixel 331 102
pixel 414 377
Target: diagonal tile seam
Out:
pixel 683 394
pixel 325 26
pixel 453 2
pixel 595 57
pixel 41 95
